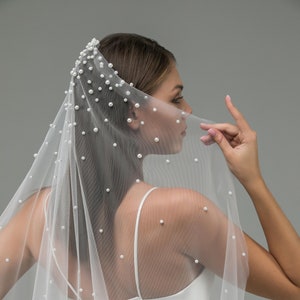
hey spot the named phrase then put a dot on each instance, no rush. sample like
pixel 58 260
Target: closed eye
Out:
pixel 177 100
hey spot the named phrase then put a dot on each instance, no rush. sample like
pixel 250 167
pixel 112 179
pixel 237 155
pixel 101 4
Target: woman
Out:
pixel 124 202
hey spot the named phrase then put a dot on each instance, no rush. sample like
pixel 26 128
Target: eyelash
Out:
pixel 176 100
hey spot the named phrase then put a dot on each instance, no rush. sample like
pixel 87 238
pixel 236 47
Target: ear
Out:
pixel 134 117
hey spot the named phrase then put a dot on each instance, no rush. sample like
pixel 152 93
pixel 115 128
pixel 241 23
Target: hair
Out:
pixel 146 64
pixel 138 59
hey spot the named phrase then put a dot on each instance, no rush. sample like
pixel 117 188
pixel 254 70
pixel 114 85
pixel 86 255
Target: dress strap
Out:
pixel 135 249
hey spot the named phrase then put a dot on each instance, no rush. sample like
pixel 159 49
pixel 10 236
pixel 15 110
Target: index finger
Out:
pixel 236 114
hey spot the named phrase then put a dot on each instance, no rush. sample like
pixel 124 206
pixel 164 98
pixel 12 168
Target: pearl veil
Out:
pixel 92 157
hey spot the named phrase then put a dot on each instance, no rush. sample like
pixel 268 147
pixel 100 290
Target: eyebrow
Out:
pixel 178 86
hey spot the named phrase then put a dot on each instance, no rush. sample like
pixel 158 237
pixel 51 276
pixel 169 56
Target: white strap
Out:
pixel 135 249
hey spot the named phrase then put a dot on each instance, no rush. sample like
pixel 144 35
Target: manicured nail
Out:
pixel 212 132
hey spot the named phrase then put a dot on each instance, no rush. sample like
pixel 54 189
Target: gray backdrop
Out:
pixel 249 49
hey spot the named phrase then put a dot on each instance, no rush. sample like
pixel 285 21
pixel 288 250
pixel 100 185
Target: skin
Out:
pixel 274 273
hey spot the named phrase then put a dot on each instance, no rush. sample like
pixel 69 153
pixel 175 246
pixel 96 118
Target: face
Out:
pixel 163 122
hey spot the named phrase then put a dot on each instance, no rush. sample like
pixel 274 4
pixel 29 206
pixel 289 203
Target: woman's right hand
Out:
pixel 238 143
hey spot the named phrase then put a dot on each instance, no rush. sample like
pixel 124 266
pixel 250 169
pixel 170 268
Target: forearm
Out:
pixel 283 241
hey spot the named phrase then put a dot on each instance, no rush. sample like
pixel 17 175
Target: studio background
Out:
pixel 248 49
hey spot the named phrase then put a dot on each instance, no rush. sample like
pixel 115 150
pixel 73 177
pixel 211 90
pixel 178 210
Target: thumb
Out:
pixel 219 138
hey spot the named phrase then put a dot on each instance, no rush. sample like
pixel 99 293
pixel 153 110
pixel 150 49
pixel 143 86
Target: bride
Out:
pixel 130 195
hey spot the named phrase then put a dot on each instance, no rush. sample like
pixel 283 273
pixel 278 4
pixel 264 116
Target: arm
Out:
pixel 239 146
pixel 20 242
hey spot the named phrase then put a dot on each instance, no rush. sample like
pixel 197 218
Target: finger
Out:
pixel 236 114
pixel 226 128
pixel 220 140
pixel 207 140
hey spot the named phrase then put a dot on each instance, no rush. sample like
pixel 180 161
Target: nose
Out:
pixel 187 110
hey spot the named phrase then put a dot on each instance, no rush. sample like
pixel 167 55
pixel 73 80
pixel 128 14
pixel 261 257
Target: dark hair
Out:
pixel 146 64
pixel 138 59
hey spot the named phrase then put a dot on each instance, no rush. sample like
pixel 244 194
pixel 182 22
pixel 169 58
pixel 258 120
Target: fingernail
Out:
pixel 212 132
pixel 228 98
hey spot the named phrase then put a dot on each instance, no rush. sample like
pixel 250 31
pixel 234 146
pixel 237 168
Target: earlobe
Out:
pixel 133 118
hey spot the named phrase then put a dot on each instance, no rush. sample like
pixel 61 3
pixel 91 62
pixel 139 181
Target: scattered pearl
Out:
pixel 107 190
pixel 137 180
pixel 127 93
pixel 35 155
pixel 101 64
pixel 62 227
pixel 80 290
pixel 196 261
pixel 105 120
pixel 167 161
pixel 230 193
pixel 129 120
pixel 107 82
pixel 154 109
pixel 233 237
pixel 91 92
pixel 142 123
pixel 20 201
pixel 139 155
pixel 83 132
pixel 76 107
pixel 95 129
pixel 75 207
pixel 196 159
pixel 131 84
pixel 82 96
pixel 205 208
pixel 82 157
pixel 91 68
pixel 125 100
pixel 89 81
pixel 243 254
pixel 96 99
pixel 99 88
pixel 121 256
pixel 88 109
pixel 161 222
pixel 7 259
pixel 136 105
pixel 145 97
pixel 115 145
pixel 80 71
pixel 101 75
pixel 110 88
pixel 156 139
pixel 101 230
pixel 110 65
pixel 110 104
pixel 177 121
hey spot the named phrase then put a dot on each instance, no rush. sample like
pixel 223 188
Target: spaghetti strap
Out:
pixel 135 251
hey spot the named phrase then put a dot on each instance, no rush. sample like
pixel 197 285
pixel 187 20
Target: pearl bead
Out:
pixel 110 65
pixel 76 107
pixel 99 57
pixel 142 122
pixel 89 81
pixel 154 109
pixel 137 180
pixel 129 120
pixel 99 88
pixel 20 201
pixel 121 256
pixel 102 75
pixel 196 261
pixel 91 92
pixel 127 93
pixel 105 120
pixel 95 129
pixel 110 88
pixel 230 193
pixel 110 104
pixel 243 254
pixel 35 155
pixel 145 97
pixel 131 84
pixel 80 290
pixel 101 64
pixel 205 208
pixel 136 105
pixel 196 159
pixel 110 76
pixel 82 96
pixel 125 100
pixel 80 71
pixel 156 139
pixel 83 133
pixel 91 68
pixel 122 82
pixel 161 222
pixel 101 230
pixel 107 82
pixel 116 72
pixel 82 157
pixel 107 190
pixel 7 259
pixel 88 109
pixel 177 121
pixel 96 99
pixel 167 161
pixel 114 144
pixel 139 155
pixel 233 237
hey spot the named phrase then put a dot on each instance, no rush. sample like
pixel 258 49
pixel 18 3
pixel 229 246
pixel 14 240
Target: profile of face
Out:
pixel 162 123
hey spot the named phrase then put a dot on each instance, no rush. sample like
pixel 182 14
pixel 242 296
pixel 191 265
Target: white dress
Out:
pixel 199 288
